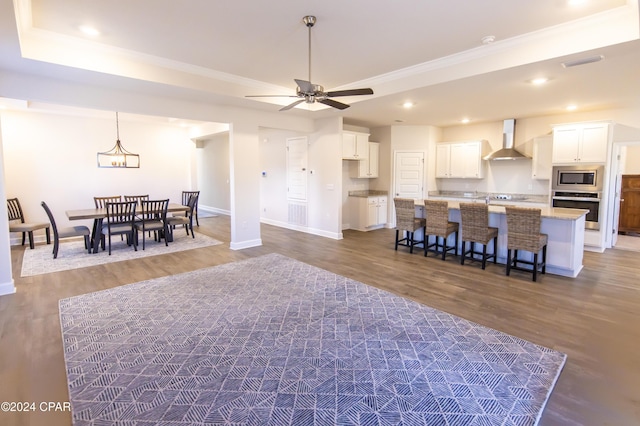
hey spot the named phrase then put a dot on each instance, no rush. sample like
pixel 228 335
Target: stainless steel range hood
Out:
pixel 508 152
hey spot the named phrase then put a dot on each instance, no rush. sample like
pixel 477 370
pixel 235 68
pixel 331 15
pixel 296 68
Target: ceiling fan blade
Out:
pixel 305 86
pixel 288 107
pixel 333 103
pixel 271 96
pixel 351 92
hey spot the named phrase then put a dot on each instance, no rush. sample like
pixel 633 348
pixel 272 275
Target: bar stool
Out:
pixel 523 233
pixel 476 230
pixel 407 221
pixel 438 225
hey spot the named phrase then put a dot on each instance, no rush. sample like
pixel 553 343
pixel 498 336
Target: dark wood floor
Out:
pixel 594 318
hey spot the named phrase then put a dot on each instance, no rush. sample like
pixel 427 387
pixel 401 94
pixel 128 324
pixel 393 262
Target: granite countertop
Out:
pixel 368 193
pixel 494 197
pixel 548 212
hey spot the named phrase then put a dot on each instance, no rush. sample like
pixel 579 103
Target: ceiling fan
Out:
pixel 309 92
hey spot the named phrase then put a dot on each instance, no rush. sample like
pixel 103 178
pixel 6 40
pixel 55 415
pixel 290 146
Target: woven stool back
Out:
pixel 437 213
pixel 475 221
pixel 406 214
pixel 523 229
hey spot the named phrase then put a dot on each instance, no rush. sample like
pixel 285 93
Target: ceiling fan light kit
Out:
pixel 311 93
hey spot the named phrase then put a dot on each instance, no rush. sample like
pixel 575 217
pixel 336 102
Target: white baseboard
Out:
pixel 7 288
pixel 213 210
pixel 307 230
pixel 245 244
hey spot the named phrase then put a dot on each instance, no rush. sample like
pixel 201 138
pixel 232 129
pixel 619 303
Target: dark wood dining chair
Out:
pixel 120 221
pixel 186 220
pixel 66 232
pixel 18 224
pixel 101 202
pixel 186 196
pixel 137 198
pixel 153 218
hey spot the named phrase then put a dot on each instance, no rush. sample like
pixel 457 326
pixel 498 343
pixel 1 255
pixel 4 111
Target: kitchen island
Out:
pixel 565 228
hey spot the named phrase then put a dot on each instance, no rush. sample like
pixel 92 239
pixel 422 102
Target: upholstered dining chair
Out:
pixel 101 203
pixel 153 217
pixel 186 195
pixel 438 225
pixel 407 223
pixel 476 230
pixel 66 232
pixel 121 218
pixel 185 220
pixel 523 233
pixel 18 224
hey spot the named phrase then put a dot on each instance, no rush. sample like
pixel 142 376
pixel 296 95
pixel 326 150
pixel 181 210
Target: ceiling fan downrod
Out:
pixel 309 21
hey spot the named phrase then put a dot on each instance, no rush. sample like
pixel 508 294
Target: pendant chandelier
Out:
pixel 118 157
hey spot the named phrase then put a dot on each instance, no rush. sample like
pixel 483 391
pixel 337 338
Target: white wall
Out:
pixel 632 163
pixel 52 158
pixel 273 186
pixel 212 159
pixel 325 184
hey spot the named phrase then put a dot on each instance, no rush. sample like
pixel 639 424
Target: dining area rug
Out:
pixel 272 340
pixel 73 255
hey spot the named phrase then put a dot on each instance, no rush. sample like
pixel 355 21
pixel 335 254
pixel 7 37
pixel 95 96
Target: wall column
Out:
pixel 244 181
pixel 7 285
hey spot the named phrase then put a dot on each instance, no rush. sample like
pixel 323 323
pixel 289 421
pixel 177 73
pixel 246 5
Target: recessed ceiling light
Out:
pixel 540 80
pixel 571 107
pixel 408 104
pixel 90 31
pixel 465 120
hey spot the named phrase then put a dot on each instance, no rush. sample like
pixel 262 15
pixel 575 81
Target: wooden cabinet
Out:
pixel 368 168
pixel 367 213
pixel 355 146
pixel 580 143
pixel 541 162
pixel 460 160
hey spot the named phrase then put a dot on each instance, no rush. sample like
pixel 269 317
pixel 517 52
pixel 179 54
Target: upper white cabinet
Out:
pixel 581 143
pixel 355 145
pixel 460 160
pixel 541 162
pixel 368 168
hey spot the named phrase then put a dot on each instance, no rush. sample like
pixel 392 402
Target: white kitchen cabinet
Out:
pixel 369 167
pixel 580 143
pixel 541 161
pixel 355 145
pixel 368 213
pixel 460 160
pixel 376 211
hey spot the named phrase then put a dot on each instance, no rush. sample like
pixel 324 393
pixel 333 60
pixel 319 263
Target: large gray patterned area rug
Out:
pixel 275 341
pixel 72 254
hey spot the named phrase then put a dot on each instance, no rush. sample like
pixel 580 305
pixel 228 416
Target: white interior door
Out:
pixel 297 169
pixel 409 175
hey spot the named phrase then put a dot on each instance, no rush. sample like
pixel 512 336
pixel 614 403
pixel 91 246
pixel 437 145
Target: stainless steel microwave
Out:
pixel 578 178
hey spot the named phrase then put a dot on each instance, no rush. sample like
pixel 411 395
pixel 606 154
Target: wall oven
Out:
pixel 580 200
pixel 579 187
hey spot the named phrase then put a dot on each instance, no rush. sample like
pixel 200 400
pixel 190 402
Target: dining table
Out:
pixel 99 214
